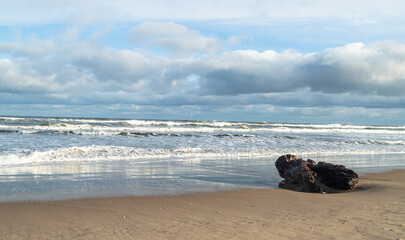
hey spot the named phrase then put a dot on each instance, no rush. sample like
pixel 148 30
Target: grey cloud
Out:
pixel 287 99
pixel 368 69
pixel 353 68
pixel 108 64
pixel 304 99
pixel 359 75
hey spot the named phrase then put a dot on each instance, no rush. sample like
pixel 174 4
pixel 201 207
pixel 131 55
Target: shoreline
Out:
pixel 54 182
pixel 375 210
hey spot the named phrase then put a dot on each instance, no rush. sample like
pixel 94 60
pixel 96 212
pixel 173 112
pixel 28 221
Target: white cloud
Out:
pixel 236 39
pixel 91 11
pixel 77 53
pixel 173 36
pixel 363 75
pixel 36 48
pixel 16 78
pixel 354 68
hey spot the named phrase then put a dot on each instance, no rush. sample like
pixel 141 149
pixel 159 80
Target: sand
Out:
pixel 375 211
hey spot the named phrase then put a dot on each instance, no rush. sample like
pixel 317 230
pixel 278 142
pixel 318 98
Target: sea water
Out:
pixel 60 158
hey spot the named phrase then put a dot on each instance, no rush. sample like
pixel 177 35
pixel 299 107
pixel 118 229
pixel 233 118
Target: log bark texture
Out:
pixel 307 176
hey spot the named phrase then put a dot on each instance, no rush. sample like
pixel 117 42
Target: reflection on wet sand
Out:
pixel 67 180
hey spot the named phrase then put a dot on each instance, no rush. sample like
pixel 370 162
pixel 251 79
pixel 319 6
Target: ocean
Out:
pixel 43 158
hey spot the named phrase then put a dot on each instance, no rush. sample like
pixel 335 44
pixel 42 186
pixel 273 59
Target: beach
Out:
pixel 376 210
pixel 172 120
pixel 89 178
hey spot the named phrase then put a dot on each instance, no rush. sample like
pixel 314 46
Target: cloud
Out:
pixel 36 48
pixel 374 68
pixel 173 37
pixel 225 54
pixel 14 78
pixel 353 68
pixel 353 75
pixel 91 11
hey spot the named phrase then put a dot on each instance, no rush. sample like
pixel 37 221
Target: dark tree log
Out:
pixel 307 176
pixel 336 176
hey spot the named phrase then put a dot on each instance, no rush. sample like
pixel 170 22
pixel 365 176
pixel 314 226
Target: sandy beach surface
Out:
pixel 376 210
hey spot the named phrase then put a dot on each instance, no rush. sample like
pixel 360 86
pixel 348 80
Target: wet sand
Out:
pixel 376 210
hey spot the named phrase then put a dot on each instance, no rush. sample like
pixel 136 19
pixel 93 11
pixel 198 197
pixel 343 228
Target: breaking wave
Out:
pixel 52 140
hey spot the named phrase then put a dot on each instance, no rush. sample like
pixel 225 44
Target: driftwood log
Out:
pixel 307 176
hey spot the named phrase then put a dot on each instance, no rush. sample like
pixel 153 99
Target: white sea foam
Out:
pixel 71 154
pixel 86 128
pixel 64 139
pixel 113 153
pixel 97 153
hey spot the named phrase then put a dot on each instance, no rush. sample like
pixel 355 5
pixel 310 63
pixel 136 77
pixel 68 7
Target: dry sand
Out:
pixel 375 211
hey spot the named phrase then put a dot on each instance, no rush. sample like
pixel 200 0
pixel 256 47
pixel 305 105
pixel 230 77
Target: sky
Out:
pixel 304 61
